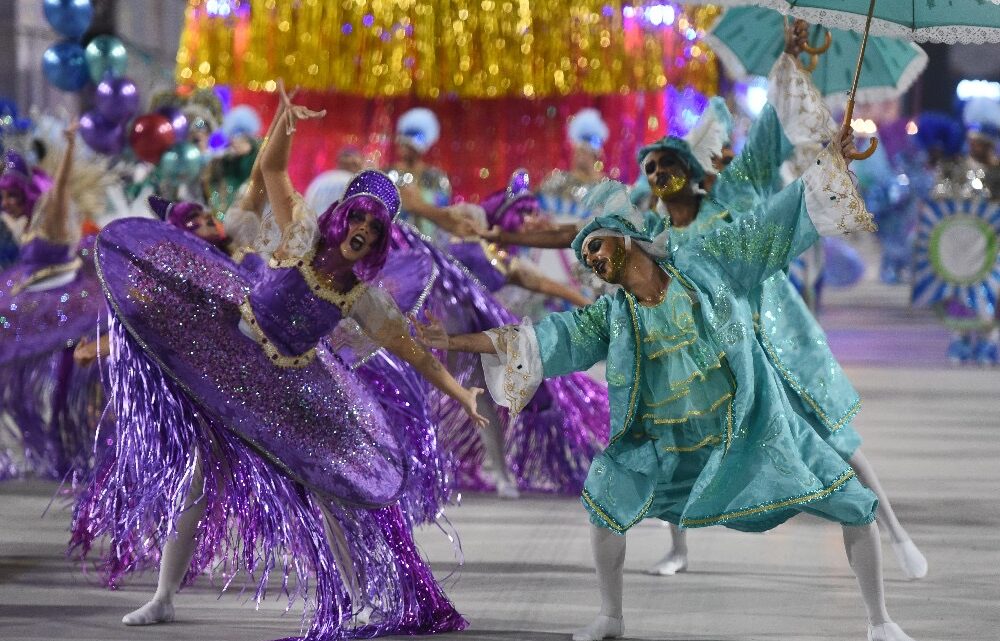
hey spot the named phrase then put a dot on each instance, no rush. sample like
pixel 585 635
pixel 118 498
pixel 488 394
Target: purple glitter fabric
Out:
pixel 476 261
pixel 258 517
pixel 550 445
pixel 36 323
pixel 53 405
pixel 179 298
pixel 403 395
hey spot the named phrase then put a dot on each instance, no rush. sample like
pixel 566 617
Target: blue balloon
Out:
pixel 70 18
pixel 65 66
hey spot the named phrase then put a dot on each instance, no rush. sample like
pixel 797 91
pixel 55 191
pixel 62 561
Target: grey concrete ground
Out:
pixel 933 434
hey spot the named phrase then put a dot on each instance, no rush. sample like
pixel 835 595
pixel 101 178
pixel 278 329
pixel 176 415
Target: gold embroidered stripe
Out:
pixel 699 373
pixel 690 414
pixel 711 439
pixel 658 336
pixel 833 487
pixel 46 272
pixel 673 348
pixel 615 525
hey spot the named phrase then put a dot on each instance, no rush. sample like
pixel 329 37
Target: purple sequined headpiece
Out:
pixel 506 209
pixel 376 185
pixel 176 213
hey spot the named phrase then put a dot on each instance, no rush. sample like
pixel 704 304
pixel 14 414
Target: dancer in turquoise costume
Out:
pixel 795 120
pixel 703 431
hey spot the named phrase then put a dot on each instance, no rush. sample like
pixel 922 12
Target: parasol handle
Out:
pixel 849 111
pixel 872 142
pixel 823 48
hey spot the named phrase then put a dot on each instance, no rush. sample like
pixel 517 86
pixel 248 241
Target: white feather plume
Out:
pixel 422 120
pixel 241 119
pixel 587 126
pixel 706 139
pixel 982 111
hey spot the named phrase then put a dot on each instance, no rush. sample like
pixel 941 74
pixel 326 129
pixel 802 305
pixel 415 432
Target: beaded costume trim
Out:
pixel 632 402
pixel 276 357
pixel 343 300
pixel 610 522
pixel 46 272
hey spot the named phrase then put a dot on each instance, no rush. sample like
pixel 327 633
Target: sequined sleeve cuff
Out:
pixel 804 117
pixel 515 371
pixel 832 201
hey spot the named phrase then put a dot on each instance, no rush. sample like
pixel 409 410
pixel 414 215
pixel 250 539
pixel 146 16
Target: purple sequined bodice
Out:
pixel 288 311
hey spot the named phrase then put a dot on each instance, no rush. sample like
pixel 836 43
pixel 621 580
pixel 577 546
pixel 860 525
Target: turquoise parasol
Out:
pixel 951 21
pixel 748 41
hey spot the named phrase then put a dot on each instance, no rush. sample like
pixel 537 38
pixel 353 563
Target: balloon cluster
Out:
pixel 156 137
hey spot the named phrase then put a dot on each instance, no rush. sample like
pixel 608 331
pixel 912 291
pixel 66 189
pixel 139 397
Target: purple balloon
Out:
pixel 117 99
pixel 177 120
pixel 102 135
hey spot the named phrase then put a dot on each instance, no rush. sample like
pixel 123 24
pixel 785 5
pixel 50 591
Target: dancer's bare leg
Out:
pixel 911 561
pixel 864 553
pixel 609 560
pixel 175 559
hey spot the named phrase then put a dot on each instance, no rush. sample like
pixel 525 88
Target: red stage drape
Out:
pixel 482 141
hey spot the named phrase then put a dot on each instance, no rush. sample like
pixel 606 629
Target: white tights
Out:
pixel 911 561
pixel 863 553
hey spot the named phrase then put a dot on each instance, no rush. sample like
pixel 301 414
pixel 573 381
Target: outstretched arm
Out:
pixel 403 346
pixel 823 202
pixel 53 221
pixel 274 160
pixel 533 280
pixel 381 321
pixel 433 335
pixel 558 237
pixel 451 219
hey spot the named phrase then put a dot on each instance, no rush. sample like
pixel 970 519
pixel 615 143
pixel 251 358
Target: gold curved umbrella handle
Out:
pixel 813 62
pixel 867 153
pixel 815 51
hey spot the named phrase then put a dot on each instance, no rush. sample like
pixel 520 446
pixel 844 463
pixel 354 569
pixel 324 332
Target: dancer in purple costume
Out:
pixel 497 265
pixel 50 299
pixel 240 435
pixel 549 446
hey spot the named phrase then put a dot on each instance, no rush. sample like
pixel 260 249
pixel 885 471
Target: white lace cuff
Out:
pixel 515 371
pixel 832 201
pixel 803 114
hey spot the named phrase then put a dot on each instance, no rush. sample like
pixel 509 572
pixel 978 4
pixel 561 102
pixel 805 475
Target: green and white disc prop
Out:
pixel 956 251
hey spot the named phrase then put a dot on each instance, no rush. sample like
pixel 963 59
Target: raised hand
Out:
pixel 432 333
pixel 470 403
pixel 295 112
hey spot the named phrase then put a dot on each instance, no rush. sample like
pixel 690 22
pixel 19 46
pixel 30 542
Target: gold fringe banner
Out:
pixel 425 48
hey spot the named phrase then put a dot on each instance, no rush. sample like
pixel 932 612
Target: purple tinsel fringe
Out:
pixel 402 394
pixel 256 520
pixel 51 407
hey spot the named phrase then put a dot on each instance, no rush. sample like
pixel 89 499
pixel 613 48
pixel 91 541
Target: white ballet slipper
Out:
pixel 673 563
pixel 911 561
pixel 507 490
pixel 887 631
pixel 150 614
pixel 603 627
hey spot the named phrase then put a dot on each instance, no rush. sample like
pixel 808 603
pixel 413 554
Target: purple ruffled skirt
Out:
pixel 49 405
pixel 188 393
